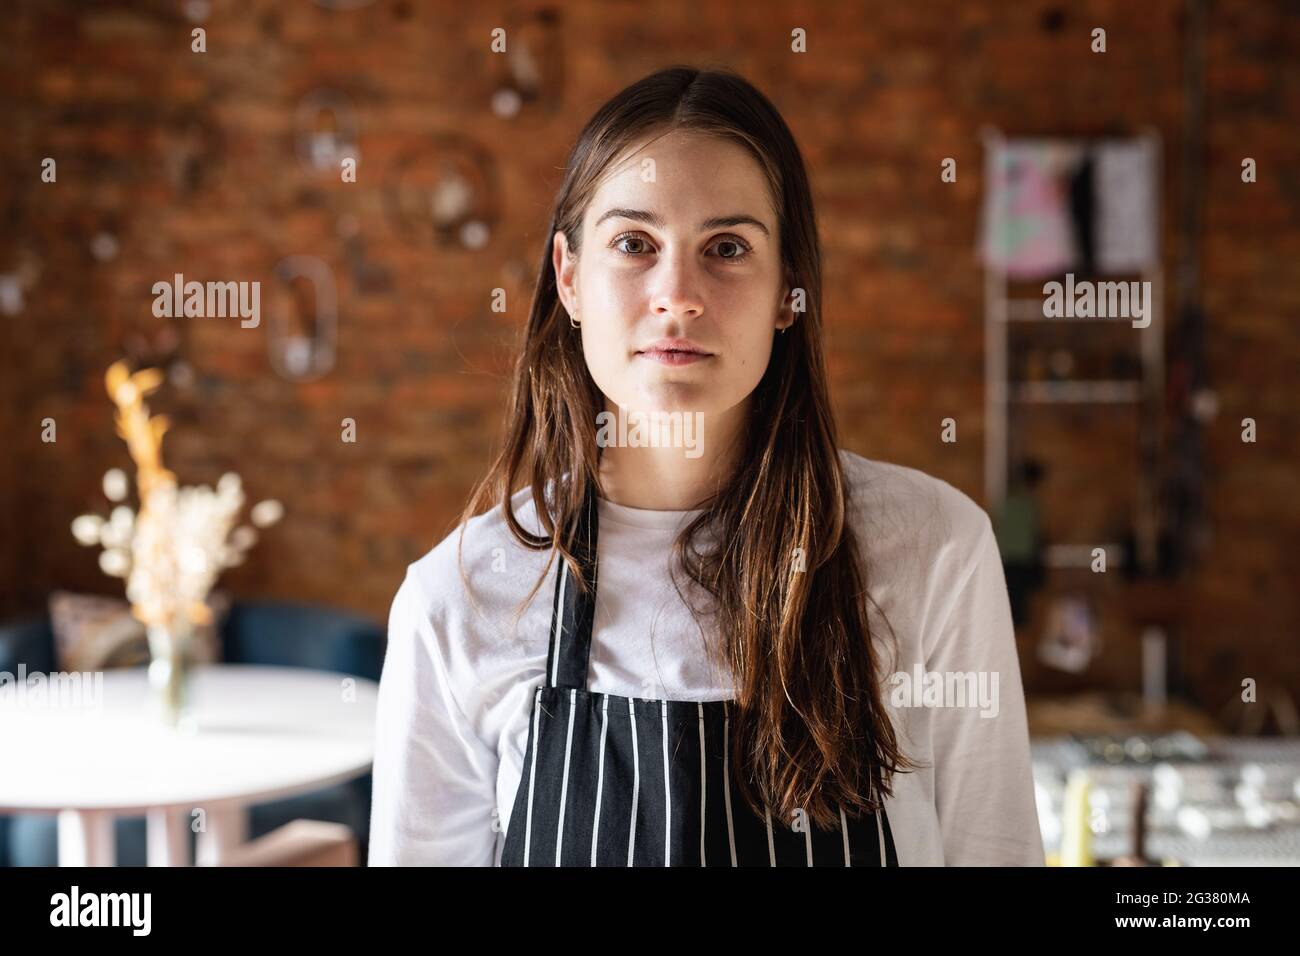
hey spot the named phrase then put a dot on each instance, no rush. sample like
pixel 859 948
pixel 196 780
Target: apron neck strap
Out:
pixel 575 609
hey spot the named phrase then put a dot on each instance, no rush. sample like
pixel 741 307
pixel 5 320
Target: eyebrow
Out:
pixel 654 219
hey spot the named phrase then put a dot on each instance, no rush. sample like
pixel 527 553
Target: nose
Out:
pixel 676 292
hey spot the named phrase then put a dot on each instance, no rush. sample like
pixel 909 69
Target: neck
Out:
pixel 672 478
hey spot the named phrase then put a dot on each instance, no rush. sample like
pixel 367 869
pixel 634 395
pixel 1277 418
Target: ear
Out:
pixel 565 265
pixel 785 316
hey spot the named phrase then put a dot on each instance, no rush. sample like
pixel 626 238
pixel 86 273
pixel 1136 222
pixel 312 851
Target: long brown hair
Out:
pixel 810 731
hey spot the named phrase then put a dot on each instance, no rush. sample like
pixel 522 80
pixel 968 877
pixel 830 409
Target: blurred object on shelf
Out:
pixel 1020 539
pixel 1071 638
pixel 1137 855
pixel 1114 714
pixel 1238 805
pixel 1076 821
pixel 1249 716
pixel 1155 666
pixel 1141 748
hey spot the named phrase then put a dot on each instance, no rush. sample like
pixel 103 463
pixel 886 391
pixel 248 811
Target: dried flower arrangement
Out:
pixel 173 550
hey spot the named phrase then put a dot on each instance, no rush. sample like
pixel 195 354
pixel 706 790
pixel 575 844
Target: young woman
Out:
pixel 725 642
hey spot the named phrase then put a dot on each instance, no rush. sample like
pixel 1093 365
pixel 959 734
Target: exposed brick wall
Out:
pixel 885 92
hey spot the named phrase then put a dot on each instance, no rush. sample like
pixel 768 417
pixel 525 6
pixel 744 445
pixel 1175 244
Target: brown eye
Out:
pixel 732 250
pixel 627 238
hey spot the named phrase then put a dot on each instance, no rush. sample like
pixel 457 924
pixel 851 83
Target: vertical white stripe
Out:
pixel 600 776
pixel 636 783
pixel 844 829
pixel 668 795
pixel 807 837
pixel 726 778
pixel 704 783
pixel 564 781
pixel 771 848
pixel 559 621
pixel 532 774
pixel 881 830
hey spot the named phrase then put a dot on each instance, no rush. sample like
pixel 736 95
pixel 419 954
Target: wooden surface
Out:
pixel 1113 714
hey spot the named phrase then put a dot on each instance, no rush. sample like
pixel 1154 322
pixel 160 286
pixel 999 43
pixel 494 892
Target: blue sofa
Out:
pixel 263 632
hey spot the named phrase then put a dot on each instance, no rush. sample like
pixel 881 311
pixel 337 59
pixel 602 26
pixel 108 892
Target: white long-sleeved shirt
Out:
pixel 458 679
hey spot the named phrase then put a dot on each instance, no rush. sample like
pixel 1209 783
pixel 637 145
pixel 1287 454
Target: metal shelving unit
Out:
pixel 1145 394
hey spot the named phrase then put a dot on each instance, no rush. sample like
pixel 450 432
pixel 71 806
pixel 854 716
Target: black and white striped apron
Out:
pixel 620 781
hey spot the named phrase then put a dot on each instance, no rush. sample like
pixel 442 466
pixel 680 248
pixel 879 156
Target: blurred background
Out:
pixel 961 154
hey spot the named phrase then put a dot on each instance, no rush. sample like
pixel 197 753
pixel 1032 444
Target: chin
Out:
pixel 674 397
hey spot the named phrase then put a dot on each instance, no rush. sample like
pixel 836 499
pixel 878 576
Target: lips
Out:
pixel 668 357
pixel 674 352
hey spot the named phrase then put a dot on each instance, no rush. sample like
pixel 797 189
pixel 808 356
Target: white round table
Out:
pixel 257 734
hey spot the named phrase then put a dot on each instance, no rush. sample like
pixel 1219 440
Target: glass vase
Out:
pixel 169 673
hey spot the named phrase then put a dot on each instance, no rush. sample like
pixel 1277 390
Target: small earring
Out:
pixel 573 323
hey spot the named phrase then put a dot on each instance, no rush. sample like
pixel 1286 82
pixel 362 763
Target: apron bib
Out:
pixel 621 781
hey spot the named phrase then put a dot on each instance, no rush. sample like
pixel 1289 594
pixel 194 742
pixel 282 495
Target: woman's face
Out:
pixel 679 253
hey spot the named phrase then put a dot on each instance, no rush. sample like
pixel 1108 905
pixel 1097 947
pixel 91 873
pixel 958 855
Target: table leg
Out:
pixel 168 842
pixel 86 838
pixel 227 828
